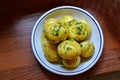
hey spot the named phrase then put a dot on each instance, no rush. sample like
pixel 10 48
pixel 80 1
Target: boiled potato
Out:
pixel 67 20
pixel 69 49
pixel 51 21
pixel 50 50
pixel 54 32
pixel 80 31
pixel 72 63
pixel 87 48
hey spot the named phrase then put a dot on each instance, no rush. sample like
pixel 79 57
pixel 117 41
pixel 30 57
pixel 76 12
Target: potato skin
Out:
pixel 50 50
pixel 80 31
pixel 72 63
pixel 54 32
pixel 87 48
pixel 69 49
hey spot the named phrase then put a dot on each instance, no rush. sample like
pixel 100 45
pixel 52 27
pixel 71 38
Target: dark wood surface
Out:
pixel 17 18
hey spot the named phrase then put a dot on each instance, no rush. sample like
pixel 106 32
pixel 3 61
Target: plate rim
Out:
pixel 78 9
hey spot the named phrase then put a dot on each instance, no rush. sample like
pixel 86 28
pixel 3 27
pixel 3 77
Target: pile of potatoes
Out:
pixel 65 40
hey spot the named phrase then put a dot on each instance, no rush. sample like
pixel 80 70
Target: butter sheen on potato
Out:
pixel 54 31
pixel 50 50
pixel 69 49
pixel 87 48
pixel 80 30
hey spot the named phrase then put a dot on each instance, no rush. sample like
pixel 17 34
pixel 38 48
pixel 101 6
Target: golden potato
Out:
pixel 72 63
pixel 50 50
pixel 67 20
pixel 87 48
pixel 69 49
pixel 80 31
pixel 54 32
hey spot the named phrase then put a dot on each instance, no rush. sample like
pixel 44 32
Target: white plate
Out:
pixel 78 13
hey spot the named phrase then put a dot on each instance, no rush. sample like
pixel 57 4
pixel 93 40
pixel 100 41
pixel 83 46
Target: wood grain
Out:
pixel 16 23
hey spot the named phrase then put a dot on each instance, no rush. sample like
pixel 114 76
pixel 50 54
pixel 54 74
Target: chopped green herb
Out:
pixel 68 48
pixel 81 45
pixel 70 23
pixel 56 30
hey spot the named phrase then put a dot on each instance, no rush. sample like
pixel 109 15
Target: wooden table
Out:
pixel 17 18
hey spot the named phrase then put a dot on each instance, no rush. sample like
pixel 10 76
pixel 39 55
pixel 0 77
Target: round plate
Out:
pixel 78 13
